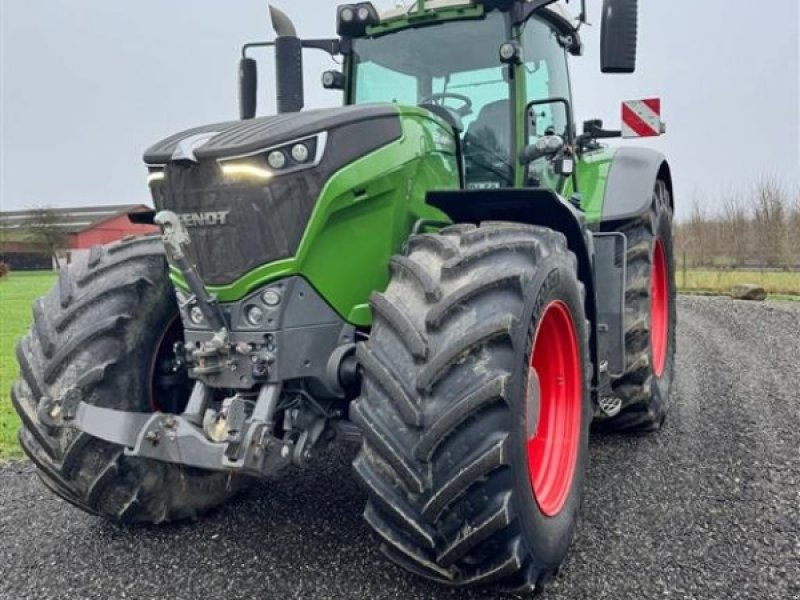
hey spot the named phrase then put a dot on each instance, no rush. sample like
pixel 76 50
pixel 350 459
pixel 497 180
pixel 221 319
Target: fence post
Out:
pixel 684 272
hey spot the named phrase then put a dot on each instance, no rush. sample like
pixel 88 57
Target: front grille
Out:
pixel 264 222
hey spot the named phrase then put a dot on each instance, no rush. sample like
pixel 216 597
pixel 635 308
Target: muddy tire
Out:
pixel 100 334
pixel 451 413
pixel 650 321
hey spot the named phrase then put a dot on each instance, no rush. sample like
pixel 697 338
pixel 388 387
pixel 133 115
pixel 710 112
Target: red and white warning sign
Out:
pixel 642 118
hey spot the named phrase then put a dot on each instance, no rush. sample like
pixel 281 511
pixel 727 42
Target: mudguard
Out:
pixel 631 180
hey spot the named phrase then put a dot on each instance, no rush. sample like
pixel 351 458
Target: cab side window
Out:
pixel 547 76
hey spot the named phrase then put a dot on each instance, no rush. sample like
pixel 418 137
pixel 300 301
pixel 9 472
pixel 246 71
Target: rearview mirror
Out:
pixel 248 88
pixel 619 36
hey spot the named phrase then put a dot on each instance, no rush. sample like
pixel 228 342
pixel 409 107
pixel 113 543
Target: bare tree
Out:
pixel 761 228
pixel 770 208
pixel 794 227
pixel 697 233
pixel 45 231
pixel 735 228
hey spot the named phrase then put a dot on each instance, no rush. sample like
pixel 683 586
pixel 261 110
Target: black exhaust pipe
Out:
pixel 288 63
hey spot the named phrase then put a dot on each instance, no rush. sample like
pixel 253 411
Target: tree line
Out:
pixel 756 228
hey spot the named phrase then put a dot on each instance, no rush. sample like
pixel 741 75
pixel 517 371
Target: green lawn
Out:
pixel 776 283
pixel 17 292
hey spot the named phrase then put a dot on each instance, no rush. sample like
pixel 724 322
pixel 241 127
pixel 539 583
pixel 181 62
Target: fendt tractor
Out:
pixel 442 270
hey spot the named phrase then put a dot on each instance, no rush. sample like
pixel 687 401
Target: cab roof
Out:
pixel 557 10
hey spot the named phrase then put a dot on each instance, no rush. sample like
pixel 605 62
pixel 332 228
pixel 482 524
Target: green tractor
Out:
pixel 442 270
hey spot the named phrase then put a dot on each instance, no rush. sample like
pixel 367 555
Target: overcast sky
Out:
pixel 87 85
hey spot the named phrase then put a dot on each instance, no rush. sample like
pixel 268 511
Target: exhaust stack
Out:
pixel 288 63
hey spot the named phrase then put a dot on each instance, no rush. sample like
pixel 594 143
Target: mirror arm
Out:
pixel 247 47
pixel 331 46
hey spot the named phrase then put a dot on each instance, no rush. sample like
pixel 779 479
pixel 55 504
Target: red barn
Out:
pixel 84 227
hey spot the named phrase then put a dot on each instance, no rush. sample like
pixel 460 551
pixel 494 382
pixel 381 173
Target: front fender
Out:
pixel 534 207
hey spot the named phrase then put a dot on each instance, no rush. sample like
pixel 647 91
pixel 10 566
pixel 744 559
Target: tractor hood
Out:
pixel 243 210
pixel 237 138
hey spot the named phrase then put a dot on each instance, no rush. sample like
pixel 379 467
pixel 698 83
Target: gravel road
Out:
pixel 707 509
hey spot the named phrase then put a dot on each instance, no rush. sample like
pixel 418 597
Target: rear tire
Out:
pixel 446 401
pixel 97 334
pixel 650 321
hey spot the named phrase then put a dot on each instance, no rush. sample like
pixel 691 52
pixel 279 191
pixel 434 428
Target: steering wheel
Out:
pixel 439 99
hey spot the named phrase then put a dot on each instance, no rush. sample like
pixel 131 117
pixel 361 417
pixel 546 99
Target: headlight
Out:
pixel 277 160
pixel 354 19
pixel 246 170
pixel 300 153
pixel 155 177
pixel 271 298
pixel 255 315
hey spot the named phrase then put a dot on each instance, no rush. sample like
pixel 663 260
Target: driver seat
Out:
pixel 487 146
pixel 492 128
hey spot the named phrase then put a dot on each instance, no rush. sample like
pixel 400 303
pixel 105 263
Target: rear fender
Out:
pixel 631 180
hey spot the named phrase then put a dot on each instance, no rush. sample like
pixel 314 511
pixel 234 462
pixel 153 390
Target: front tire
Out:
pixel 476 373
pixel 100 334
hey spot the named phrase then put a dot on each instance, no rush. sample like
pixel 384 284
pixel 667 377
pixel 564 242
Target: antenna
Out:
pixel 583 18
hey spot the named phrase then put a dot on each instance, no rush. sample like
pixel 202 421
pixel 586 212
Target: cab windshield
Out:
pixel 454 65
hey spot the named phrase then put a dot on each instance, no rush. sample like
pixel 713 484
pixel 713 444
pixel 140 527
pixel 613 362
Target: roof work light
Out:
pixel 353 19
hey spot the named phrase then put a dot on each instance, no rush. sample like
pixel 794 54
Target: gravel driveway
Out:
pixel 707 509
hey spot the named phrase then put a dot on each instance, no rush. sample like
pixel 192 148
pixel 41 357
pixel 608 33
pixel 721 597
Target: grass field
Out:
pixel 20 289
pixel 17 292
pixel 776 283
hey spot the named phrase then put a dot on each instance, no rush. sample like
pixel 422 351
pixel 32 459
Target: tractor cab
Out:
pixel 496 72
pixel 479 69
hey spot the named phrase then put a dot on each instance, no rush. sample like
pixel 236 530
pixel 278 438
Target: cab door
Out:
pixel 545 73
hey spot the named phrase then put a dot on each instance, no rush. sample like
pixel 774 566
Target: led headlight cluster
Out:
pixel 273 162
pixel 355 18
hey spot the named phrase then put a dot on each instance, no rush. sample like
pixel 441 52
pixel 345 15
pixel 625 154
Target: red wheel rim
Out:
pixel 553 447
pixel 659 309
